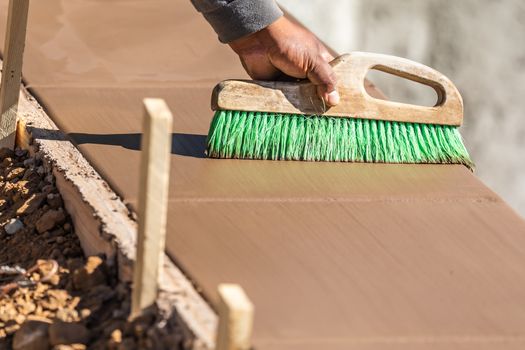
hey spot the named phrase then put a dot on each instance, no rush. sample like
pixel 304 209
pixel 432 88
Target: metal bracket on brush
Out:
pixel 351 69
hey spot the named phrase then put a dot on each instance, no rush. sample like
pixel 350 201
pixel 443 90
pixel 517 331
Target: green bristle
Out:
pixel 257 135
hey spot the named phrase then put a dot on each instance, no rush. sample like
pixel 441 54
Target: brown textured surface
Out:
pixel 334 256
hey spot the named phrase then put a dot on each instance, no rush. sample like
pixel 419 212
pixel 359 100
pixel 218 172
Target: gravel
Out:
pixel 77 303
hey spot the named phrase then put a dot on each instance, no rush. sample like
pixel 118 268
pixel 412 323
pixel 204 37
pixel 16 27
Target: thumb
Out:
pixel 322 75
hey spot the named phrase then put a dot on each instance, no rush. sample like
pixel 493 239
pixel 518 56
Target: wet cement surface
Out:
pixel 334 256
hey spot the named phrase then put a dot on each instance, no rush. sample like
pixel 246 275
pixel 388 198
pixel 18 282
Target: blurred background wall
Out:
pixel 478 44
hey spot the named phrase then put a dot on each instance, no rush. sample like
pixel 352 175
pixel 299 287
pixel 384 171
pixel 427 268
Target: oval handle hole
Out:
pixel 399 89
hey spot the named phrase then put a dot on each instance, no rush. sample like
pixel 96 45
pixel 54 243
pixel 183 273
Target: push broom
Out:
pixel 288 121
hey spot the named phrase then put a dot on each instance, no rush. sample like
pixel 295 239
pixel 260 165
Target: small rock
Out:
pixel 68 333
pixel 13 226
pixel 8 190
pixel 31 204
pixel 31 175
pixel 20 152
pixel 3 203
pixel 27 173
pixel 6 153
pixel 115 340
pixel 31 336
pixel 46 268
pixel 38 157
pixel 49 178
pixel 116 336
pixel 85 313
pixel 70 347
pixel 49 220
pixel 11 328
pixel 16 197
pixel 26 307
pixel 8 314
pixel 39 319
pixel 47 189
pixel 24 187
pixel 74 263
pixel 122 291
pixel 29 162
pixel 40 170
pixel 100 295
pixel 14 173
pixel 7 162
pixel 67 227
pixel 54 200
pixel 56 253
pixel 127 344
pixel 54 280
pixel 67 315
pixel 91 274
pixel 20 318
pixel 139 329
pixel 119 314
pixel 57 232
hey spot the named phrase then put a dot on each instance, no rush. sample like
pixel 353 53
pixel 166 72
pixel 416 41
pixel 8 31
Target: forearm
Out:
pixel 233 19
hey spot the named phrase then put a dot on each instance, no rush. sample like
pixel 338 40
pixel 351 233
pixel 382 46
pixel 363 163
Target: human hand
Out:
pixel 286 47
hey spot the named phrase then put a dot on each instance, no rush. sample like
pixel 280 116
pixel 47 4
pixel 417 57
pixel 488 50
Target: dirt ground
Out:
pixel 51 295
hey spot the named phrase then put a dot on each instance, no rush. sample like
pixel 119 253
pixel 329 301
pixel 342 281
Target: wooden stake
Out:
pixel 153 203
pixel 235 318
pixel 12 70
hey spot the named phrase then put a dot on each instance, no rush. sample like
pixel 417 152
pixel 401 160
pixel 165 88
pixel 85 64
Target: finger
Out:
pixel 323 76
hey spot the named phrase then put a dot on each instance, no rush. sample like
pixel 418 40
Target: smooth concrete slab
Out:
pixel 334 256
pixel 335 274
pixel 121 42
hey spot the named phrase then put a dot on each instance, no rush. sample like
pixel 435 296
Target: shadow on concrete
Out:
pixel 189 145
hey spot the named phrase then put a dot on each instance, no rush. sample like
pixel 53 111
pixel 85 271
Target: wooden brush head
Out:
pixel 351 69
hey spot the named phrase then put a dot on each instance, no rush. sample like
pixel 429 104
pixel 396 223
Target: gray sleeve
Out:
pixel 233 19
